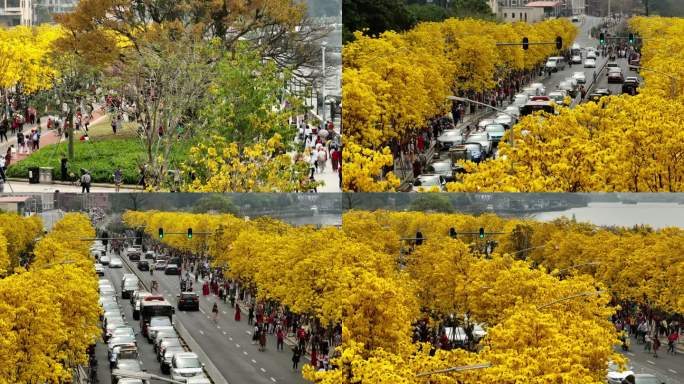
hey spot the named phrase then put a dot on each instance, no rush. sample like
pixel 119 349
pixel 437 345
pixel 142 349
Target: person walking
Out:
pixel 262 340
pixel 250 315
pixel 647 342
pixel 3 178
pixel 237 311
pixel 4 126
pixel 118 178
pixel 21 143
pixel 656 345
pixel 86 179
pixel 671 340
pixel 214 311
pixel 280 338
pixel 296 355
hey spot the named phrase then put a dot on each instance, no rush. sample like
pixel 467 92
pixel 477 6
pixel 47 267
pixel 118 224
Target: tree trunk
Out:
pixel 70 132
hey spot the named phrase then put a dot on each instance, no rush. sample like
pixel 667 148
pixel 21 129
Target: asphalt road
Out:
pixel 669 368
pixel 227 343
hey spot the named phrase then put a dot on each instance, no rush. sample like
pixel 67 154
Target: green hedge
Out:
pixel 99 157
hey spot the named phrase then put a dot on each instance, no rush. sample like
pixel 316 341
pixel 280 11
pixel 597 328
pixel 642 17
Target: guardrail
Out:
pixel 210 369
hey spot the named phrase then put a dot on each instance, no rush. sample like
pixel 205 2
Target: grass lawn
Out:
pixel 101 156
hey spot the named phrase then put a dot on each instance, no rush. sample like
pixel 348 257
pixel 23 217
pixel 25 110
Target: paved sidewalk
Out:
pixel 20 185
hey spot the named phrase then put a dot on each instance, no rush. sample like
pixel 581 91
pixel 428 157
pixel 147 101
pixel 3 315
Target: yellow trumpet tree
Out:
pixel 49 314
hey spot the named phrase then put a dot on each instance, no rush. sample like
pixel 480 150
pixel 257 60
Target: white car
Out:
pixel 513 110
pixel 425 182
pixel 591 54
pixel 541 89
pixel 520 100
pixel 615 376
pixel 590 63
pixel 115 263
pixel 558 96
pixel 484 123
pixel 99 269
pixel 104 260
pixel 580 77
pixel 577 59
pixel 185 365
pixel 199 379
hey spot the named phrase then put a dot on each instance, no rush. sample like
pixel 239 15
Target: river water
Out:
pixel 656 215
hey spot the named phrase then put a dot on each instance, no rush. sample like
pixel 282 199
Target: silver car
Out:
pixel 427 182
pixel 449 138
pixel 444 168
pixel 484 140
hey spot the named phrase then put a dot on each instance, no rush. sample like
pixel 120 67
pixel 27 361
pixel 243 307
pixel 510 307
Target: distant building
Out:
pixel 524 14
pixel 16 12
pixel 32 12
pixel 552 8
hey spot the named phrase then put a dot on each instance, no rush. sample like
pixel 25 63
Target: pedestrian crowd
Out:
pixel 648 327
pixel 267 317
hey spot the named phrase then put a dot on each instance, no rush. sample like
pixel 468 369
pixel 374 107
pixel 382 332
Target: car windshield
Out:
pixel 450 134
pixel 159 321
pixel 441 167
pixel 187 362
pixel 429 181
pixel 496 128
pixel 614 70
pixel 188 296
pixel 129 365
pixel 171 341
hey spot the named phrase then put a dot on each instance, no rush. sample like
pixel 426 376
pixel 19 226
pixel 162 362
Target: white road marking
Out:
pixel 245 352
pixel 218 326
pixel 224 312
pixel 249 333
pixel 201 310
pixel 263 370
pixel 631 354
pixel 650 362
pixel 201 332
pixel 253 361
pixel 237 345
pixel 673 371
pixel 273 380
pixel 230 338
pixel 224 332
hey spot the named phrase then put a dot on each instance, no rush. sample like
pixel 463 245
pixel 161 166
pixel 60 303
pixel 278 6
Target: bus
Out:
pixel 534 106
pixel 152 306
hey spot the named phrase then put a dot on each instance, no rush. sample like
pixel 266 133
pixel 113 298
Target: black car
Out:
pixel 133 254
pixel 143 265
pixel 172 269
pixel 188 301
pixel 598 94
pixel 175 260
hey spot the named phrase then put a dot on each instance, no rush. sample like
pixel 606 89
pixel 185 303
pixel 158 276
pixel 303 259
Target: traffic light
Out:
pixel 482 234
pixel 189 233
pixel 452 233
pixel 602 38
pixel 161 233
pixel 419 238
pixel 631 38
pixel 559 42
pixel 526 43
